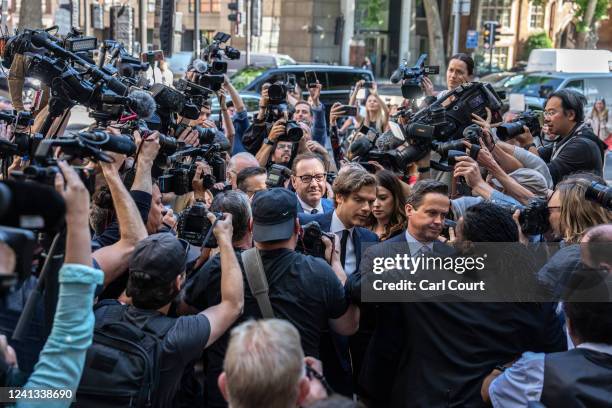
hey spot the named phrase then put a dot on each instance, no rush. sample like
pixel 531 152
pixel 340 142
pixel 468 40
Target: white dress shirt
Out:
pixel 308 209
pixel 350 260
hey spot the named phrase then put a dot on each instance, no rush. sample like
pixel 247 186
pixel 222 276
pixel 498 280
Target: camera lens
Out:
pixel 511 130
pixel 167 145
pixel 601 194
pixel 293 131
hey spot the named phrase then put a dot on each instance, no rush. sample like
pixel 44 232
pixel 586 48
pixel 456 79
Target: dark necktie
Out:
pixel 343 240
pixel 314 211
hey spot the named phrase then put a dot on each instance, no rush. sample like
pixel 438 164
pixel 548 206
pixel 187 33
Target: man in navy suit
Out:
pixel 355 193
pixel 309 182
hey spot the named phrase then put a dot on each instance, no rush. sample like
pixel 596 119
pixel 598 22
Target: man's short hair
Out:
pixel 304 103
pixel 244 175
pixel 351 178
pixel 590 321
pixel 264 364
pixel 306 156
pixel 469 62
pixel 241 156
pixel 422 188
pixel 237 204
pixel 571 100
pixel 597 241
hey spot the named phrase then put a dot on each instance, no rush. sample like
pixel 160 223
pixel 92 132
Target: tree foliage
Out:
pixel 601 11
pixel 536 41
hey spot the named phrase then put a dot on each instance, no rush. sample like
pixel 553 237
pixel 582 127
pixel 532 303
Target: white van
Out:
pixel 574 61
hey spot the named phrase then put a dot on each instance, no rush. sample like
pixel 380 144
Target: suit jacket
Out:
pixel 361 235
pixel 328 206
pixel 435 354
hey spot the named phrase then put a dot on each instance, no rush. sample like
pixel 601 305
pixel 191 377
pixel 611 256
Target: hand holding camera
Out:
pixel 467 168
pixel 223 228
pixel 525 138
pixel 336 112
pixel 149 148
pixel 332 249
pixel 198 181
pixel 427 86
pixel 190 136
pixel 277 130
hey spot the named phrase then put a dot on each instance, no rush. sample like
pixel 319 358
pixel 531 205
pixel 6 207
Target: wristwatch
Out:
pixel 529 146
pixel 268 141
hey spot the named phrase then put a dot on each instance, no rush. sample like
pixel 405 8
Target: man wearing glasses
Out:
pixel 310 185
pixel 577 148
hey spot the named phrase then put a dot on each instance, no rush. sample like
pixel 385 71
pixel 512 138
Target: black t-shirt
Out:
pixel 303 290
pixel 181 345
pixel 579 152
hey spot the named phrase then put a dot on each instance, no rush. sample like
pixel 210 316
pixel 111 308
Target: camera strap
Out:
pixel 256 277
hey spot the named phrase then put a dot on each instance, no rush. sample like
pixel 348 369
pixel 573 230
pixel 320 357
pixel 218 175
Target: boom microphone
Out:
pixel 143 104
pixel 396 77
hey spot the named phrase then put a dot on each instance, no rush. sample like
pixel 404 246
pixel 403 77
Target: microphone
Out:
pixel 142 103
pixel 396 76
pixel 31 206
pixel 105 141
pixel 199 65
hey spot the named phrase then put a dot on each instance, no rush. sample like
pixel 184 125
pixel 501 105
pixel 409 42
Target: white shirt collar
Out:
pixel 599 347
pixel 337 225
pixel 308 209
pixel 415 245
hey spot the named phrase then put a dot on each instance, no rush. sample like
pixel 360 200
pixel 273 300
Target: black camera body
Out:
pixel 277 176
pixel 533 217
pixel 194 226
pixel 293 132
pixel 311 242
pixel 277 93
pixel 412 77
pixel 531 119
pixel 178 178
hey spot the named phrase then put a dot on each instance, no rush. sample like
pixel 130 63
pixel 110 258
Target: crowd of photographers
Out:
pixel 166 257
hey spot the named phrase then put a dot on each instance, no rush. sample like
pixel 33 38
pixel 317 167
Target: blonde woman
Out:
pixel 600 120
pixel 570 213
pixel 377 112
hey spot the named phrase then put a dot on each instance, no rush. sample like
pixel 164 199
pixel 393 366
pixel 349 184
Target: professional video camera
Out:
pixel 531 119
pixel 310 241
pixel 177 179
pixel 601 194
pixel 23 143
pixel 213 54
pixel 21 42
pixel 277 176
pixel 194 226
pixel 438 123
pixel 412 77
pixel 116 60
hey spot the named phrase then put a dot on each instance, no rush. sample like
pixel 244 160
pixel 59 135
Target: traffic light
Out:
pixel 496 33
pixel 486 36
pixel 490 34
pixel 235 14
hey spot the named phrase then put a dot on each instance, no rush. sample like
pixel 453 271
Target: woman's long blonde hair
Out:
pixel 603 115
pixel 379 119
pixel 577 213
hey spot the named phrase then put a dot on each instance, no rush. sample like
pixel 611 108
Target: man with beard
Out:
pixel 309 183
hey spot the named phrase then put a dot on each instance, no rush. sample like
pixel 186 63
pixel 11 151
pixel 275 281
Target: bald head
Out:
pixel 237 163
pixel 595 248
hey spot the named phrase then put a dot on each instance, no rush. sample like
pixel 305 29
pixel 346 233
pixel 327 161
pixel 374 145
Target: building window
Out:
pixel 499 58
pixel 206 6
pixel 497 10
pixel 536 16
pixel 151 6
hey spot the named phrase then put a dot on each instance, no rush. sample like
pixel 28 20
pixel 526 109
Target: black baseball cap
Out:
pixel 274 214
pixel 161 256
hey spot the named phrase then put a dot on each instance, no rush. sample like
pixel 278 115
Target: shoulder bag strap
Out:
pixel 258 283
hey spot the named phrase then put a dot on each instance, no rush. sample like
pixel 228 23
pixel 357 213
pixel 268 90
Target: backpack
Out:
pixel 123 363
